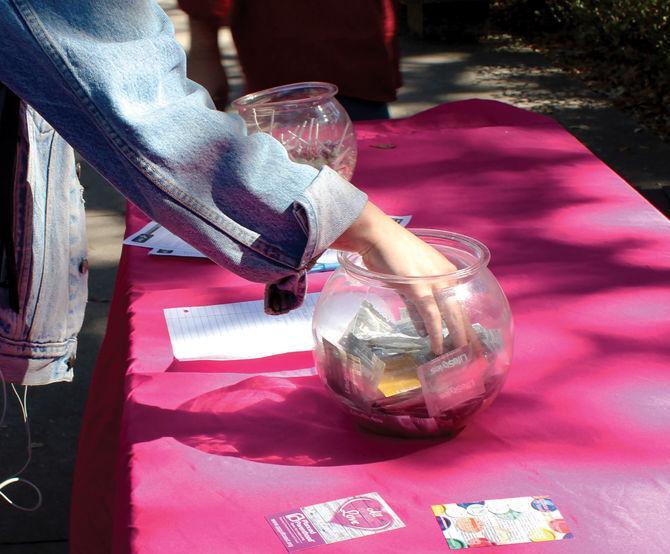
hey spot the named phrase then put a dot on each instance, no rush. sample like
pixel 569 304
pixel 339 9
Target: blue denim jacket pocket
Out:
pixel 38 341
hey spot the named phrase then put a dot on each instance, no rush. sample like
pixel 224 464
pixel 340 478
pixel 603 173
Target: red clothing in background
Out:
pixel 350 43
pixel 215 11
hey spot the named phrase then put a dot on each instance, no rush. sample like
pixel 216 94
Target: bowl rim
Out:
pixel 254 99
pixel 472 246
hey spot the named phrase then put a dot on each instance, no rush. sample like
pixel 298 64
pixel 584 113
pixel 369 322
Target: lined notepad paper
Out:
pixel 239 331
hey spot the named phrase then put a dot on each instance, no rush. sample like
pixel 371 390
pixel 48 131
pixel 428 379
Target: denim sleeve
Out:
pixel 110 78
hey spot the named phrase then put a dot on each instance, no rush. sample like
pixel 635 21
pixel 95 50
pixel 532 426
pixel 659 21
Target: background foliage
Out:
pixel 622 43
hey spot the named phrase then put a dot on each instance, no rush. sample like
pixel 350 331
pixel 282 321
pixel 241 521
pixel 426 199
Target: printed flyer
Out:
pixel 335 521
pixel 501 521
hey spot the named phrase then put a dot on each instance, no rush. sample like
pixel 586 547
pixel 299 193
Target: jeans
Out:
pixel 109 78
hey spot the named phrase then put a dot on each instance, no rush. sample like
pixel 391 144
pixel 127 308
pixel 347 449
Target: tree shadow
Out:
pixel 272 420
pixel 292 422
pixel 501 69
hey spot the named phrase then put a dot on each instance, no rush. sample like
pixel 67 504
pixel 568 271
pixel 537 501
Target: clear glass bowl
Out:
pixel 307 119
pixel 373 356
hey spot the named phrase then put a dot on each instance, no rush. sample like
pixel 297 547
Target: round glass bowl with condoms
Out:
pixel 308 120
pixel 373 354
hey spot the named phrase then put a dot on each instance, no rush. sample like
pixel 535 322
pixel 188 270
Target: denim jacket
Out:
pixel 43 247
pixel 109 78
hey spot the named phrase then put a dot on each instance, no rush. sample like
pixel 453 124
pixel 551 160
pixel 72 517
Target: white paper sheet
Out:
pixel 238 331
pixel 162 242
pixel 187 252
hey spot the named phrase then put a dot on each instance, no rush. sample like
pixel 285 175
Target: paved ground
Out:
pixel 433 74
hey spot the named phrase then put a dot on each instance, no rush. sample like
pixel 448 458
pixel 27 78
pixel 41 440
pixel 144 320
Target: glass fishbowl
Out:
pixel 307 119
pixel 374 357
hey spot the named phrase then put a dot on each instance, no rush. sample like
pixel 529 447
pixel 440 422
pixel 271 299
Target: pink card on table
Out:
pixel 501 521
pixel 334 521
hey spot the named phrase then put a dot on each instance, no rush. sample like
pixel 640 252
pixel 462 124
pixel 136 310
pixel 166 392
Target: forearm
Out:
pixel 113 84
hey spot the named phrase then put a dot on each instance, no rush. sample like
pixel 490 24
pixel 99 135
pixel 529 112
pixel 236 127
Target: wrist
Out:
pixel 365 232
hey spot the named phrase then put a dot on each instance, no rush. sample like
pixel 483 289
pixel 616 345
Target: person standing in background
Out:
pixel 353 45
pixel 203 64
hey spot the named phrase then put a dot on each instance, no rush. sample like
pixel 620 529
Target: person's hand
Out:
pixel 387 247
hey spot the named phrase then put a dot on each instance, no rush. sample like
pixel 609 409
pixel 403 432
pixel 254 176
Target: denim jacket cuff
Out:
pixel 286 294
pixel 325 210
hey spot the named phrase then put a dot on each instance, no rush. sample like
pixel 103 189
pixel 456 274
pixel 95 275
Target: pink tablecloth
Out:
pixel 183 457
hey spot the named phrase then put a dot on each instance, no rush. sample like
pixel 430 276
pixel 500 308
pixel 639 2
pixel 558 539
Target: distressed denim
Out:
pixel 110 78
pixel 38 340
